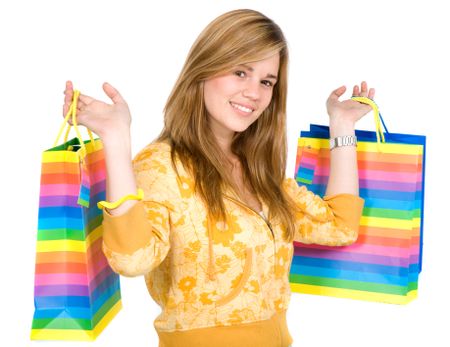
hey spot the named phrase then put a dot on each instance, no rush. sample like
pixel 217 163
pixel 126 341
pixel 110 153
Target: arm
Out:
pixel 343 162
pixel 111 122
pixel 137 240
pixel 331 221
pixel 334 220
pixel 135 234
pixel 120 180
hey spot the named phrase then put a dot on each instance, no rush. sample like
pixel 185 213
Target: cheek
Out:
pixel 213 90
pixel 266 99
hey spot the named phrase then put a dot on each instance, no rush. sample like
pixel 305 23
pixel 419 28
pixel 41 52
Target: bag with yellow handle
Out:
pixel 384 263
pixel 76 293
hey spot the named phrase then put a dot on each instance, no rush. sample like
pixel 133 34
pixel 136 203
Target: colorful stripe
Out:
pixel 383 264
pixel 354 294
pixel 362 248
pixel 352 256
pixel 76 292
pixel 78 334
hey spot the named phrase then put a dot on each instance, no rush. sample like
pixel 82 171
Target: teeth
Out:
pixel 242 108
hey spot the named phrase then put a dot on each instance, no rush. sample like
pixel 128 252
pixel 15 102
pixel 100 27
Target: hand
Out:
pixel 98 116
pixel 348 111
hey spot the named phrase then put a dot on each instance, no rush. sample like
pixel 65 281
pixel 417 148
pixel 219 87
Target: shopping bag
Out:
pixel 76 293
pixel 319 130
pixel 418 140
pixel 384 264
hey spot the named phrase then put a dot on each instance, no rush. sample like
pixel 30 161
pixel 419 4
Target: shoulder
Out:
pixel 153 151
pixel 154 173
pixel 153 164
pixel 154 156
pixel 291 187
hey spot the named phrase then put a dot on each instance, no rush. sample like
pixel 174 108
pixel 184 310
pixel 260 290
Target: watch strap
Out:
pixel 346 140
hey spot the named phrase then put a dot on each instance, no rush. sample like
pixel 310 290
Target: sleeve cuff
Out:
pixel 347 209
pixel 127 232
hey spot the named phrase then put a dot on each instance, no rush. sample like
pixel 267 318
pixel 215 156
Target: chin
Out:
pixel 241 129
pixel 242 126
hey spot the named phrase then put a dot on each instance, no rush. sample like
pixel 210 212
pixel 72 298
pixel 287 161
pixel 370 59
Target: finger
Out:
pixel 68 92
pixel 337 93
pixel 363 88
pixel 81 108
pixel 84 99
pixel 371 93
pixel 355 90
pixel 113 93
pixel 64 110
pixel 69 86
pixel 65 114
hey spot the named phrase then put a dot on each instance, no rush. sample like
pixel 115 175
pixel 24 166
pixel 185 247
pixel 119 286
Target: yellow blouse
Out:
pixel 217 285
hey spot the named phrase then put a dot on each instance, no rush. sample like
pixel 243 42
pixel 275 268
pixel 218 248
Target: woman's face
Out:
pixel 236 99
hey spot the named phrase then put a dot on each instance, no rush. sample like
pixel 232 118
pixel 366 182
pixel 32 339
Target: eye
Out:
pixel 267 83
pixel 239 73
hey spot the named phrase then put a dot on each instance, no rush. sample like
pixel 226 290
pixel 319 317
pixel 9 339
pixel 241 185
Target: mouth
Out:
pixel 243 109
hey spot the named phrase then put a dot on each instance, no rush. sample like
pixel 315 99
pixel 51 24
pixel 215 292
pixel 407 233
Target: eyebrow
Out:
pixel 268 75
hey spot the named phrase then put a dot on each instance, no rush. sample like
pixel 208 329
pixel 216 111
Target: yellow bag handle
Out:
pixel 72 112
pixel 376 113
pixel 112 205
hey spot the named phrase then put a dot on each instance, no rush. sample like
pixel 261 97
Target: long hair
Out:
pixel 236 37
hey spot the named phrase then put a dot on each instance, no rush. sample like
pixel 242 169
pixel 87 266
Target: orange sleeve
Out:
pixel 331 221
pixel 129 231
pixel 347 209
pixel 137 241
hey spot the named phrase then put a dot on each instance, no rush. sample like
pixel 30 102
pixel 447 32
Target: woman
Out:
pixel 214 233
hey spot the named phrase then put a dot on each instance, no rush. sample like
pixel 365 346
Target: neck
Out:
pixel 224 142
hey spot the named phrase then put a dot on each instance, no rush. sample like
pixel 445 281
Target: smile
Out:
pixel 241 108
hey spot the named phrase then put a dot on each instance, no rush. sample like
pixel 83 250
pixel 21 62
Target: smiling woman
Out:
pixel 214 233
pixel 227 113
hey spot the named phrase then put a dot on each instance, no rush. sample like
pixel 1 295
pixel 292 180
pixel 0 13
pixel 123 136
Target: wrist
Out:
pixel 341 128
pixel 117 137
pixel 117 144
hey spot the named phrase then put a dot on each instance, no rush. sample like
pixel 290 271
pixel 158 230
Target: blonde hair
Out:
pixel 234 38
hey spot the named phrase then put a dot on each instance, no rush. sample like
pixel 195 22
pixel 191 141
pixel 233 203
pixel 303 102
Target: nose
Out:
pixel 251 90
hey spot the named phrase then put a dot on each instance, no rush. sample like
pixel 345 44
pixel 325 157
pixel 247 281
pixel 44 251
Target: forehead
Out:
pixel 269 64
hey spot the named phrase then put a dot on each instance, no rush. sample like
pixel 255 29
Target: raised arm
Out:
pixel 134 240
pixel 334 220
pixel 111 122
pixel 343 116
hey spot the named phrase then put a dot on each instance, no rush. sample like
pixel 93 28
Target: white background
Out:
pixel 399 47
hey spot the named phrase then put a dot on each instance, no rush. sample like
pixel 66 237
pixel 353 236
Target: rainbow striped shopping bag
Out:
pixel 385 262
pixel 76 293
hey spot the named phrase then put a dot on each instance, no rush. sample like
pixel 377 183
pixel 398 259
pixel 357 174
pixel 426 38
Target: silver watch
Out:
pixel 347 140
